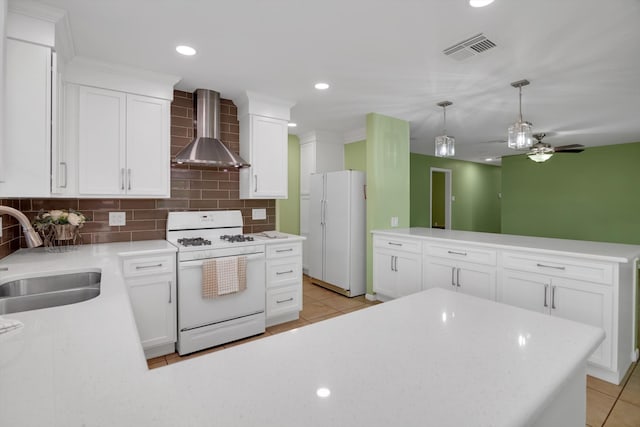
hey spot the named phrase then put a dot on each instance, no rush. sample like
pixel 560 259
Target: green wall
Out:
pixel 588 196
pixel 476 188
pixel 355 156
pixel 387 153
pixel 288 210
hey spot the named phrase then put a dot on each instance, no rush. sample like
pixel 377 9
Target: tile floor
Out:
pixel 608 405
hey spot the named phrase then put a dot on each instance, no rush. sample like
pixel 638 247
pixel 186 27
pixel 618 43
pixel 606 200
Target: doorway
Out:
pixel 440 198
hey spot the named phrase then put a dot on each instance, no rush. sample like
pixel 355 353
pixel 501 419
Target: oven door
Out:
pixel 195 311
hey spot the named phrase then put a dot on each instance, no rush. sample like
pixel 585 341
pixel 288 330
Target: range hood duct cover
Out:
pixel 207 149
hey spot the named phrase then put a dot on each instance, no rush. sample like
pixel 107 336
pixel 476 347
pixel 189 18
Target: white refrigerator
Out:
pixel 337 231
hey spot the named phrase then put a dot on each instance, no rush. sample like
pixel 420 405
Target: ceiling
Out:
pixel 386 56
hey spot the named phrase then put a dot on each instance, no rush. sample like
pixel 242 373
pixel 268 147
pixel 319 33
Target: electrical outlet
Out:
pixel 117 218
pixel 258 214
pixel 394 221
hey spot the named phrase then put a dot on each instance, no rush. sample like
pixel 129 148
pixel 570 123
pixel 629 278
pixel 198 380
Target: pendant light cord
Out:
pixel 445 119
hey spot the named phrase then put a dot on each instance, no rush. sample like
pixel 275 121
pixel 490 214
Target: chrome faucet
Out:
pixel 31 236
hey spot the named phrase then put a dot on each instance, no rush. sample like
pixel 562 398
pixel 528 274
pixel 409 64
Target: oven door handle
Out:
pixel 199 262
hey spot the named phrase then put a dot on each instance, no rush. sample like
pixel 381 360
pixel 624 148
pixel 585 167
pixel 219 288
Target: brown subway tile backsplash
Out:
pixel 193 188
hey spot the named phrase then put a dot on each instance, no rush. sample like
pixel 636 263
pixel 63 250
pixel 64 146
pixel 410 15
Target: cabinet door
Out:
pixel 26 157
pixel 102 133
pixel 526 290
pixel 585 303
pixel 153 302
pixel 439 273
pixel 269 158
pixel 408 272
pixel 476 280
pixel 384 277
pixel 147 146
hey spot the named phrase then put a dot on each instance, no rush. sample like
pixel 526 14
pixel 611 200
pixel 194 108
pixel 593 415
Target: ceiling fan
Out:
pixel 541 152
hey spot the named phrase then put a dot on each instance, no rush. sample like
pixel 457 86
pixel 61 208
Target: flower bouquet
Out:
pixel 59 227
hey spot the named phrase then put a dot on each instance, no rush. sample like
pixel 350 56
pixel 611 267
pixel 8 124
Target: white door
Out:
pixel 154 307
pixel 526 290
pixel 408 272
pixel 476 280
pixel 316 227
pixel 269 162
pixel 305 200
pixel 307 166
pixel 439 273
pixel 147 146
pixel 337 213
pixel 585 303
pixel 384 277
pixel 102 138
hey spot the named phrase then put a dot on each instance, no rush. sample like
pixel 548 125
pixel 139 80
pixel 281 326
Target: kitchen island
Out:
pixel 432 358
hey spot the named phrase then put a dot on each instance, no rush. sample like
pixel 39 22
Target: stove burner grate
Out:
pixel 236 238
pixel 194 241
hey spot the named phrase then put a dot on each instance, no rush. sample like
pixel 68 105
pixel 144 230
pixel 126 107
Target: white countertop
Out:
pixel 432 358
pixel 616 252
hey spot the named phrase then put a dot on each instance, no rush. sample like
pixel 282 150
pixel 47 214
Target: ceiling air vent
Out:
pixel 469 47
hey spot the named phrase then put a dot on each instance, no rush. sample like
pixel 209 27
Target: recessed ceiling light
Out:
pixel 322 86
pixel 292 125
pixel 185 50
pixel 480 3
pixel 489 159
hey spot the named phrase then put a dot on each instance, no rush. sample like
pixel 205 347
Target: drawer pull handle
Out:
pixel 284 300
pixel 457 277
pixel 551 266
pixel 546 289
pixel 553 297
pixel 284 250
pixel 284 272
pixel 169 283
pixel 142 267
pixel 453 280
pixel 457 253
pixel 394 244
pixel 4 268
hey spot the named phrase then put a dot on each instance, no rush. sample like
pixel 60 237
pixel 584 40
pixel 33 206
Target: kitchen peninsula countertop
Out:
pixel 432 358
pixel 616 252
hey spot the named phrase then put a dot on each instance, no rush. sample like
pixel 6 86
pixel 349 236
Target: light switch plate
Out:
pixel 258 214
pixel 394 221
pixel 117 218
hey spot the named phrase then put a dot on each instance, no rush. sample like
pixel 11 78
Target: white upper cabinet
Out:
pixel 114 142
pixel 27 148
pixel 264 144
pixel 123 144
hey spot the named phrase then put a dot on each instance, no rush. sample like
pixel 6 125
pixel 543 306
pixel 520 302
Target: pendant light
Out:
pixel 520 135
pixel 445 145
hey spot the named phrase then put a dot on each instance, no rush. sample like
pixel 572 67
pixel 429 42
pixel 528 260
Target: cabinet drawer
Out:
pixel 283 300
pixel 462 253
pixel 284 249
pixel 284 270
pixel 146 266
pixel 571 268
pixel 407 245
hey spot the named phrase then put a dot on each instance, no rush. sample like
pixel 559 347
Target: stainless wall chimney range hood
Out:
pixel 207 149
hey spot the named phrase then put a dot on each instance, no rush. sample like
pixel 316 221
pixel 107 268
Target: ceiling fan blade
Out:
pixel 571 148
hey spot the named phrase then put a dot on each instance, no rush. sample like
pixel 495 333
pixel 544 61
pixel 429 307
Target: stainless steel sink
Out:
pixel 33 293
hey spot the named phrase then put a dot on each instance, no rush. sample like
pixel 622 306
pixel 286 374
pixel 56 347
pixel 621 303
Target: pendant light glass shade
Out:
pixel 445 145
pixel 520 133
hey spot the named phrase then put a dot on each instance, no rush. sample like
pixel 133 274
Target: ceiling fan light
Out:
pixel 445 146
pixel 520 136
pixel 540 157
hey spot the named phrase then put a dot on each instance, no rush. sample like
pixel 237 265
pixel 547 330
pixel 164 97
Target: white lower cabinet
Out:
pixel 468 278
pixel 583 302
pixel 284 282
pixel 151 282
pixel 397 267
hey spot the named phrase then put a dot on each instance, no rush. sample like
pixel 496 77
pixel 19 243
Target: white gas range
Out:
pixel 207 322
